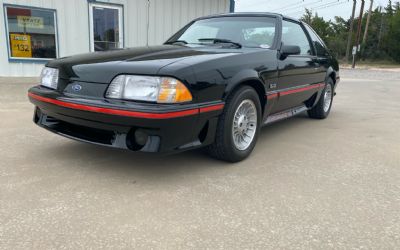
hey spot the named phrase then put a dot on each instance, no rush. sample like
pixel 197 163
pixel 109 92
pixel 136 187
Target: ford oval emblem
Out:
pixel 76 87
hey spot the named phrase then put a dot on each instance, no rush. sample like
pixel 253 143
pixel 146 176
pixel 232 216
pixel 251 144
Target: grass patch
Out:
pixel 386 64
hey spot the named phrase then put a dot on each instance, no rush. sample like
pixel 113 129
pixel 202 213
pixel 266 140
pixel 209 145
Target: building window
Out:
pixel 31 32
pixel 106 26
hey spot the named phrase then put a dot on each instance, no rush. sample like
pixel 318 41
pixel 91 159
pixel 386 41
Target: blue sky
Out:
pixel 295 8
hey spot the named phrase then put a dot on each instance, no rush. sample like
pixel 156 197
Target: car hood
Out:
pixel 103 66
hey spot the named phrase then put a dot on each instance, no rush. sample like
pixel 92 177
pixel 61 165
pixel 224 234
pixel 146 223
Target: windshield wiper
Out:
pixel 177 42
pixel 219 40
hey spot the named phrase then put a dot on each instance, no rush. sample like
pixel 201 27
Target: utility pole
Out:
pixel 380 29
pixel 350 38
pixel 367 24
pixel 359 32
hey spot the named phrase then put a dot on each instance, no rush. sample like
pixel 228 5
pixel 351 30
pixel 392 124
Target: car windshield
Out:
pixel 254 32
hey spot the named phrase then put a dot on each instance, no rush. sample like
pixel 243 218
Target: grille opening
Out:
pixel 80 132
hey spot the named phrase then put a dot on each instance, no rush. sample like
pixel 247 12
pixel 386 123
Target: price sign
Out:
pixel 30 22
pixel 21 45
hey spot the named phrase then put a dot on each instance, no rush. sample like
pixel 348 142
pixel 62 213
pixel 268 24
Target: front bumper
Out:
pixel 117 123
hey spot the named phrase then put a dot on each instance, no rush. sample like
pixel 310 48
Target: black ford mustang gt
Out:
pixel 213 84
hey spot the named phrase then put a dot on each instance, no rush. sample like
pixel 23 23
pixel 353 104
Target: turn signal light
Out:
pixel 173 91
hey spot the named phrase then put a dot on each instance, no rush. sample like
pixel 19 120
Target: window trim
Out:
pixel 310 29
pixel 27 59
pixel 121 18
pixel 315 33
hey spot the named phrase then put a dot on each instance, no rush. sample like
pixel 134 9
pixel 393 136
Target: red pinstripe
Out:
pixel 128 113
pixel 293 91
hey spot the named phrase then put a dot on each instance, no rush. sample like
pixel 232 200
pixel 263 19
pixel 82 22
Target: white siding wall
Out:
pixel 165 17
pixel 168 16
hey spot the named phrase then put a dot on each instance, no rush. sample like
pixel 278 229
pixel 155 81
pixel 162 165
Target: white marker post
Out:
pixel 354 52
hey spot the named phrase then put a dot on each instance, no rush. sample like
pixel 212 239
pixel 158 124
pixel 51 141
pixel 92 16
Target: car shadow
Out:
pixel 283 125
pixel 124 162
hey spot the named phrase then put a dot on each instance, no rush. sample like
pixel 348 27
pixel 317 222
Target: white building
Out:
pixel 35 31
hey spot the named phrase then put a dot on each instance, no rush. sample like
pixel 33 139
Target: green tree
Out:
pixel 307 17
pixel 383 35
pixel 389 8
pixel 393 36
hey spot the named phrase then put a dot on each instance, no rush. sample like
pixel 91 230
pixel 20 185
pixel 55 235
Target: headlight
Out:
pixel 148 88
pixel 49 77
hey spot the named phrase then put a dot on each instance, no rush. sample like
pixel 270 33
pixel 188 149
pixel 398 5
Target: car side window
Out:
pixel 293 34
pixel 317 41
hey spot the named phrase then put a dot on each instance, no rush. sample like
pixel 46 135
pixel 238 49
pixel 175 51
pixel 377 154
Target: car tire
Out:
pixel 323 107
pixel 235 124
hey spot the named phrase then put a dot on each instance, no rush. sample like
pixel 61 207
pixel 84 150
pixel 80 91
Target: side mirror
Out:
pixel 288 50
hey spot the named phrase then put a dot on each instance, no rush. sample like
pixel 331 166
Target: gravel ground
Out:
pixel 326 184
pixel 372 74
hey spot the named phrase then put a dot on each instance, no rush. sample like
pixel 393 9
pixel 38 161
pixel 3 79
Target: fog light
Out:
pixel 141 137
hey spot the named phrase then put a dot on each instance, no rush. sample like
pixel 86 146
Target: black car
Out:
pixel 213 84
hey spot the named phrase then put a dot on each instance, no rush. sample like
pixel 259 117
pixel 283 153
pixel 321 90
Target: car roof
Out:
pixel 256 14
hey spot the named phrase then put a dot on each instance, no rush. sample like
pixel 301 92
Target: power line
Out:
pixel 258 2
pixel 301 6
pixel 298 4
pixel 289 5
pixel 333 3
pixel 336 4
pixel 320 7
